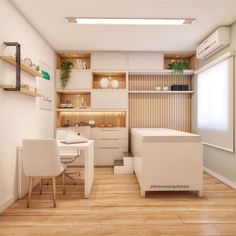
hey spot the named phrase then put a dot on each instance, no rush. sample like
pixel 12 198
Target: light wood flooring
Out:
pixel 115 208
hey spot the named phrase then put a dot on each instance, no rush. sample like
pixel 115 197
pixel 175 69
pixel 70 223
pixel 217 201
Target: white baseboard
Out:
pixel 8 203
pixel 221 178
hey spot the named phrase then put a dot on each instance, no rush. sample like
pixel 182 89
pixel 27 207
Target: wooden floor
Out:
pixel 115 208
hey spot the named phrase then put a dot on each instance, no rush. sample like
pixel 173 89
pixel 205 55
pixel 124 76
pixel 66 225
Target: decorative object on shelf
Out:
pixel 81 64
pixel 179 87
pixel 69 104
pixel 66 67
pixel 45 75
pixel 165 88
pixel 67 124
pixel 82 104
pixel 158 88
pixel 104 83
pixel 115 84
pixel 27 61
pixel 178 67
pixel 91 123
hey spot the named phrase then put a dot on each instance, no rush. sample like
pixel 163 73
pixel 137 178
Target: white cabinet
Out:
pixel 110 143
pixel 80 80
pixel 109 98
pixel 108 61
pixel 145 61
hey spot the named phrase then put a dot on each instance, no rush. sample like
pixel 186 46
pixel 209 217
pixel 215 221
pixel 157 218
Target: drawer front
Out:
pixel 107 155
pixel 109 99
pixel 109 133
pixel 111 142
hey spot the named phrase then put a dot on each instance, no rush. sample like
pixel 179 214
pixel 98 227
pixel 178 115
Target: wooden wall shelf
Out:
pixel 22 90
pixel 158 72
pixel 161 92
pixel 11 60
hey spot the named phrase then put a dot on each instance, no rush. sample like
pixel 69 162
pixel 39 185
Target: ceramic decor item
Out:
pixel 115 84
pixel 104 83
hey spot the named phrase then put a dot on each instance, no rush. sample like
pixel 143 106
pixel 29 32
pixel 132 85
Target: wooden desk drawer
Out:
pixel 111 142
pixel 108 133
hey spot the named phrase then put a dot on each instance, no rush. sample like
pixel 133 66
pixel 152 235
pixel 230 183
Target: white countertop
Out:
pixel 164 135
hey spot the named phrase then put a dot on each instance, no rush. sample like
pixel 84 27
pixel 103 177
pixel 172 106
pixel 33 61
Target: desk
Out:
pixel 87 148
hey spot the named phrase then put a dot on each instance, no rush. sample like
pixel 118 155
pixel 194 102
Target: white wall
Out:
pixel 219 161
pixel 20 116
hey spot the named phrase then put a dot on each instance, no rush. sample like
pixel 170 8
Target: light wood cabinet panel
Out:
pixel 109 99
pixel 145 61
pixel 108 61
pixel 80 80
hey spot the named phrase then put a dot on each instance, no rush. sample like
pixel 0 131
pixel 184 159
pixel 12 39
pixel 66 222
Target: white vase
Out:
pixel 115 84
pixel 104 83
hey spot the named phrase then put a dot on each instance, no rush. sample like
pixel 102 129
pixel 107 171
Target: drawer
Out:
pixel 111 142
pixel 107 155
pixel 109 133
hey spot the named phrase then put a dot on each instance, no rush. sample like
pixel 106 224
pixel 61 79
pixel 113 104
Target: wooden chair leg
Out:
pixel 31 181
pixel 40 186
pixel 63 183
pixel 54 190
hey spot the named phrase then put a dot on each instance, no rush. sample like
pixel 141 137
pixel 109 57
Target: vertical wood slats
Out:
pixel 159 110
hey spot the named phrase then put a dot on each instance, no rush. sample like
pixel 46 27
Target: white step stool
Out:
pixel 125 166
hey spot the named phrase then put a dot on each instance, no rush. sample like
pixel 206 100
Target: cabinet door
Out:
pixel 80 80
pixel 145 61
pixel 109 99
pixel 108 61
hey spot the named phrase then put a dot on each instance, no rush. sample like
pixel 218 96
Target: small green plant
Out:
pixel 66 67
pixel 178 67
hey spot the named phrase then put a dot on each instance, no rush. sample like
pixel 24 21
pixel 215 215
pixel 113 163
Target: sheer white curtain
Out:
pixel 215 99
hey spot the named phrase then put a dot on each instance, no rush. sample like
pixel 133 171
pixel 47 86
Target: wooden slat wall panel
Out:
pixel 159 110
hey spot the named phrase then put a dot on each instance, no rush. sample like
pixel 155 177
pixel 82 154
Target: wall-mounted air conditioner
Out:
pixel 216 41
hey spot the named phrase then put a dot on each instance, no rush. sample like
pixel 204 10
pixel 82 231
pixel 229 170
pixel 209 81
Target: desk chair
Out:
pixel 41 159
pixel 70 158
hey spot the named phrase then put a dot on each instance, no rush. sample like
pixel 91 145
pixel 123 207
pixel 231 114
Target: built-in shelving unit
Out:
pixel 188 57
pixel 81 60
pixel 11 60
pixel 22 90
pixel 119 76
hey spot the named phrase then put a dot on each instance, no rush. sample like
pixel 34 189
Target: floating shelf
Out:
pixel 72 91
pixel 11 60
pixel 22 90
pixel 159 72
pixel 136 91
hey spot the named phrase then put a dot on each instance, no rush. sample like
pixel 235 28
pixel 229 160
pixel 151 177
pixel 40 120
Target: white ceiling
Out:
pixel 47 16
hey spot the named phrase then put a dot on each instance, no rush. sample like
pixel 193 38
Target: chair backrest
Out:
pixel 40 157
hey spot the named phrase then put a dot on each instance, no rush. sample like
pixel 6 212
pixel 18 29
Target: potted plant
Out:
pixel 66 67
pixel 178 67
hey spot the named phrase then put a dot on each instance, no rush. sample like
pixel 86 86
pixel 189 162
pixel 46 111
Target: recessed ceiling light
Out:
pixel 128 21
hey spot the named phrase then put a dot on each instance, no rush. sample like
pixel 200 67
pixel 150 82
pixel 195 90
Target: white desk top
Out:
pixel 164 135
pixel 75 145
